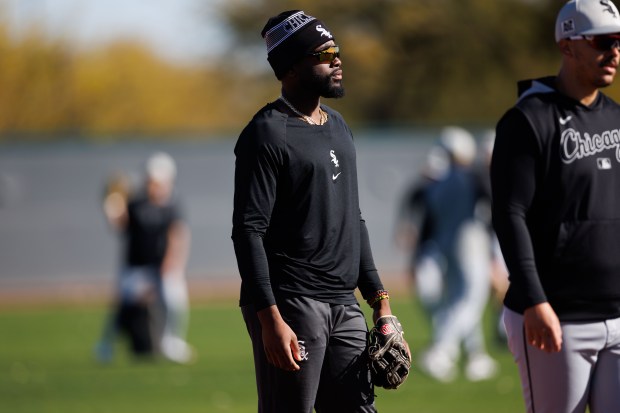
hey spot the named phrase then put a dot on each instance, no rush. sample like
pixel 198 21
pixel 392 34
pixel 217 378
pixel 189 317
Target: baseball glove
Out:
pixel 115 195
pixel 389 359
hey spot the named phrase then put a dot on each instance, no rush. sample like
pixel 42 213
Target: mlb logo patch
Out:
pixel 603 163
pixel 568 26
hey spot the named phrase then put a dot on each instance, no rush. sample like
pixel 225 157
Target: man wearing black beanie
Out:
pixel 301 244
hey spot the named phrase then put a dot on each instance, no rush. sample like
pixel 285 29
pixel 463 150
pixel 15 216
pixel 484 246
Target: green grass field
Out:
pixel 47 365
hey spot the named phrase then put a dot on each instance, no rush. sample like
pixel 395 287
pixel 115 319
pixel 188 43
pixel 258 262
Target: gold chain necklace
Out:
pixel 305 118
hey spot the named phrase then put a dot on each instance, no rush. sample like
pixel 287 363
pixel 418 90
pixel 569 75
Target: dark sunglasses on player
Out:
pixel 602 42
pixel 328 55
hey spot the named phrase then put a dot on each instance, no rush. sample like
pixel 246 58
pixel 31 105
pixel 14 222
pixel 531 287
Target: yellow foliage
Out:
pixel 48 88
pixel 403 60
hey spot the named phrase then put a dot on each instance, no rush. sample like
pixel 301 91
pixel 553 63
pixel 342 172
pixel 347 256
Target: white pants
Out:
pixel 176 322
pixel 586 372
pixel 457 315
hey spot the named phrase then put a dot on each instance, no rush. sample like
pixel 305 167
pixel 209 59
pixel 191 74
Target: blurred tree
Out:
pixel 423 60
pixel 405 61
pixel 33 80
pixel 50 90
pixel 126 88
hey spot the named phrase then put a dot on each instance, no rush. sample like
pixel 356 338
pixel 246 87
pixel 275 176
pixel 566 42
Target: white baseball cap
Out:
pixel 459 143
pixel 161 167
pixel 587 17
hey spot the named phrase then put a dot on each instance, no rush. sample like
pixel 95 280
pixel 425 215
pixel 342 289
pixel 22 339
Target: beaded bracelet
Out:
pixel 379 295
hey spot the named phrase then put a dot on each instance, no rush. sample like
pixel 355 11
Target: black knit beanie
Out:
pixel 290 36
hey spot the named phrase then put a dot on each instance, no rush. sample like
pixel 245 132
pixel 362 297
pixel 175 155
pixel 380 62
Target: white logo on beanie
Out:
pixel 323 31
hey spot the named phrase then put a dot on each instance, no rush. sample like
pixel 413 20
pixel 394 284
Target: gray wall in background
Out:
pixel 52 227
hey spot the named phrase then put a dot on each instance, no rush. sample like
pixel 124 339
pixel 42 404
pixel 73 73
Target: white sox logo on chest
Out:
pixel 574 145
pixel 332 154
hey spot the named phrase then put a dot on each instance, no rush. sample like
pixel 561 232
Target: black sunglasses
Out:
pixel 602 42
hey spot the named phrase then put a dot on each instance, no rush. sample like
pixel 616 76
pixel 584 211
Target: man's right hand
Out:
pixel 279 340
pixel 542 328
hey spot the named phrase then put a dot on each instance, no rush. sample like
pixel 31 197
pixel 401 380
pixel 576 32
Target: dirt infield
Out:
pixel 78 292
pixel 72 292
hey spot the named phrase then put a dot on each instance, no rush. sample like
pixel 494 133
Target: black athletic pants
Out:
pixel 334 375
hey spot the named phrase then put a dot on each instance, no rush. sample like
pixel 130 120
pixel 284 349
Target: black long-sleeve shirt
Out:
pixel 297 226
pixel 555 178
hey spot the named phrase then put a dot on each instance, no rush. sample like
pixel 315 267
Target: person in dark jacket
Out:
pixel 301 244
pixel 556 210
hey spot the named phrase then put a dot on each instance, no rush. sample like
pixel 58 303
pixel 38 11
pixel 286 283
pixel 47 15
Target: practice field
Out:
pixel 47 365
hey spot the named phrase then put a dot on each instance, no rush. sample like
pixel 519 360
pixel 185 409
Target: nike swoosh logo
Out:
pixel 564 121
pixel 336 176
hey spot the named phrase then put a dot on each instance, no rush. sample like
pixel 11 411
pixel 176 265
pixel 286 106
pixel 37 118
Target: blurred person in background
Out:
pixel 556 210
pixel 498 270
pixel 413 227
pixel 450 261
pixel 152 305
